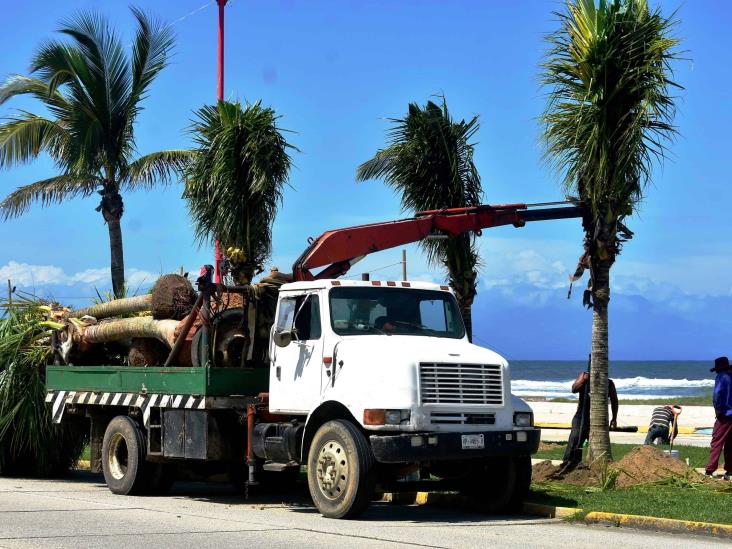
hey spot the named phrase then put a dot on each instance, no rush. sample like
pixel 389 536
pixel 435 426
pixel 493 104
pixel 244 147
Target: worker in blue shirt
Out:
pixel 722 432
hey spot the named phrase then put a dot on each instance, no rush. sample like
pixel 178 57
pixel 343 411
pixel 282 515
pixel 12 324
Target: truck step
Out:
pixel 278 467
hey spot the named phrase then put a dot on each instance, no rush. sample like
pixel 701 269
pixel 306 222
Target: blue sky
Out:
pixel 335 71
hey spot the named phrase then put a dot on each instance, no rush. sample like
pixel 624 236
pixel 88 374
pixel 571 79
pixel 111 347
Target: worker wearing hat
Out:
pixel 722 432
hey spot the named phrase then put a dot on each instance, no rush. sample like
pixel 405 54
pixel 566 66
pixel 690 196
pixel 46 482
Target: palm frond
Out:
pixel 429 162
pixel 47 191
pixel 235 181
pixel 610 107
pixel 23 85
pixel 155 168
pixel 24 137
pixel 29 442
pixel 150 51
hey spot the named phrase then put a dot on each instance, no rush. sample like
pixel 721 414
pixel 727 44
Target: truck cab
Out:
pixel 393 360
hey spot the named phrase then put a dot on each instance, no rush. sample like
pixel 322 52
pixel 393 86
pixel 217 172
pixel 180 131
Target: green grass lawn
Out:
pixel 698 456
pixel 674 499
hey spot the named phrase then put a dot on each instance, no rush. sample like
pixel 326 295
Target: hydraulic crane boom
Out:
pixel 339 249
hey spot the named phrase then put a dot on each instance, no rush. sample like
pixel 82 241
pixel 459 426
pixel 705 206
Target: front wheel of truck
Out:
pixel 500 485
pixel 340 470
pixel 123 457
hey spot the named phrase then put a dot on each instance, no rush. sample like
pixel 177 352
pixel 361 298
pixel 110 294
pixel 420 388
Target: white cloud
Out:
pixel 25 274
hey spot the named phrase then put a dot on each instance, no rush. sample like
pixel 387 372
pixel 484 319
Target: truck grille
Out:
pixel 445 383
pixel 458 418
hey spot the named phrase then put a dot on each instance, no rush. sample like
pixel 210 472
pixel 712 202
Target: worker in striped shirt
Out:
pixel 662 423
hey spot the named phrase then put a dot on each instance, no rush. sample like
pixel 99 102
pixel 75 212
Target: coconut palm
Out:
pixel 235 180
pixel 429 161
pixel 608 118
pixel 92 91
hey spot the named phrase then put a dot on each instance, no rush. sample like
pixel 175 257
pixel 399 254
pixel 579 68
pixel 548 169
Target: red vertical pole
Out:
pixel 220 97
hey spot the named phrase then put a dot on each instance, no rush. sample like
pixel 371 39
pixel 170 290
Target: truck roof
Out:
pixel 329 283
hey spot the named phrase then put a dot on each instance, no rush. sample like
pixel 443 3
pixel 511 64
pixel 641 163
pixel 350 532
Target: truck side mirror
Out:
pixel 282 338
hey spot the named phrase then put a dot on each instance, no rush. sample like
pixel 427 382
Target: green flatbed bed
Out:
pixel 199 381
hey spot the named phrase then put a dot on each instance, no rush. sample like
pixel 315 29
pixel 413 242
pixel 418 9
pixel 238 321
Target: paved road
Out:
pixel 79 512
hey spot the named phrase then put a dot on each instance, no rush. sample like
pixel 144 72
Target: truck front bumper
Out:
pixel 449 446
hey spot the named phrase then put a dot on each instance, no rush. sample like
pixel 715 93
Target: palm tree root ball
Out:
pixel 173 297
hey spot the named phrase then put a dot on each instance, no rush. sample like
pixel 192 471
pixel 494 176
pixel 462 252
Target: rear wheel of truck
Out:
pixel 500 485
pixel 340 470
pixel 123 457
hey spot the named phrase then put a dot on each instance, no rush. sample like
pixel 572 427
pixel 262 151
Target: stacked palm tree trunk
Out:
pixel 142 330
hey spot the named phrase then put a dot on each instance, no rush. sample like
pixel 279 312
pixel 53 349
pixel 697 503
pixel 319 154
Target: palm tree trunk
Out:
pixel 126 328
pixel 116 307
pixel 112 209
pixel 117 257
pixel 599 450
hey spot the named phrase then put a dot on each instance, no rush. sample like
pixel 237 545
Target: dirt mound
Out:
pixel 544 470
pixel 579 476
pixel 172 297
pixel 639 466
pixel 648 464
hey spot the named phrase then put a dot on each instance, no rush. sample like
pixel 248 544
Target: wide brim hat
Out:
pixel 720 364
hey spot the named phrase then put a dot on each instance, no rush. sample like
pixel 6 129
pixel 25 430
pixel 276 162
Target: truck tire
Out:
pixel 341 475
pixel 123 457
pixel 500 485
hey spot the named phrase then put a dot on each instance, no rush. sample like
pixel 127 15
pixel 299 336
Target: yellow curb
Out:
pixel 668 525
pixel 549 511
pixel 83 465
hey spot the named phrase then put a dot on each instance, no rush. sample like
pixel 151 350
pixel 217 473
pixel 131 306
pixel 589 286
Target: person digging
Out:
pixel 664 425
pixel 581 421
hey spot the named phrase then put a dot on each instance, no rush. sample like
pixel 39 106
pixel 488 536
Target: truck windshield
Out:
pixel 394 311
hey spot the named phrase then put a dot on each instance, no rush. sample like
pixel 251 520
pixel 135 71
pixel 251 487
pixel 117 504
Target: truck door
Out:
pixel 295 369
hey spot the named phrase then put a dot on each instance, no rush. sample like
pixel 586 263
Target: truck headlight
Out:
pixel 385 417
pixel 523 419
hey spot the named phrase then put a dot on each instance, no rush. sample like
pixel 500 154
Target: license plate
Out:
pixel 473 442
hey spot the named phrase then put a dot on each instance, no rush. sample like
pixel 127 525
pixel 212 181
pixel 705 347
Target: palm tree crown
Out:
pixel 608 117
pixel 235 181
pixel 93 94
pixel 429 161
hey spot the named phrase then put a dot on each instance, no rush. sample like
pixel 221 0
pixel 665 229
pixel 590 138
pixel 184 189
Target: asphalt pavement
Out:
pixel 80 512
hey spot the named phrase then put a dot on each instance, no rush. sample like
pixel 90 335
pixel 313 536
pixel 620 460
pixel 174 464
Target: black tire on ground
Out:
pixel 341 475
pixel 123 457
pixel 500 485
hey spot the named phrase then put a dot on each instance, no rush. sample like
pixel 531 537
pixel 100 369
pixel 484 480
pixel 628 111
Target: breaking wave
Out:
pixel 631 388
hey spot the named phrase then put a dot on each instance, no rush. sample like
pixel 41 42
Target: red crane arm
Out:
pixel 341 248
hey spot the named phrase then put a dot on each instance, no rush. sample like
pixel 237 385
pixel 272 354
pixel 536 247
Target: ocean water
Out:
pixel 634 379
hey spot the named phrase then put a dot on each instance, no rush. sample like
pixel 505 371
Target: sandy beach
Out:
pixel 695 417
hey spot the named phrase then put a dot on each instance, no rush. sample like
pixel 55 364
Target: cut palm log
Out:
pixel 128 328
pixel 172 296
pixel 145 351
pixel 116 307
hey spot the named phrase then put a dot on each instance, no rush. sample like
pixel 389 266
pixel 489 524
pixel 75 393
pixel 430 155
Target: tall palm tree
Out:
pixel 429 161
pixel 235 181
pixel 608 118
pixel 92 92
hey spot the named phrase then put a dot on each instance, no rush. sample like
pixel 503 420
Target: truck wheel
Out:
pixel 340 470
pixel 500 485
pixel 123 457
